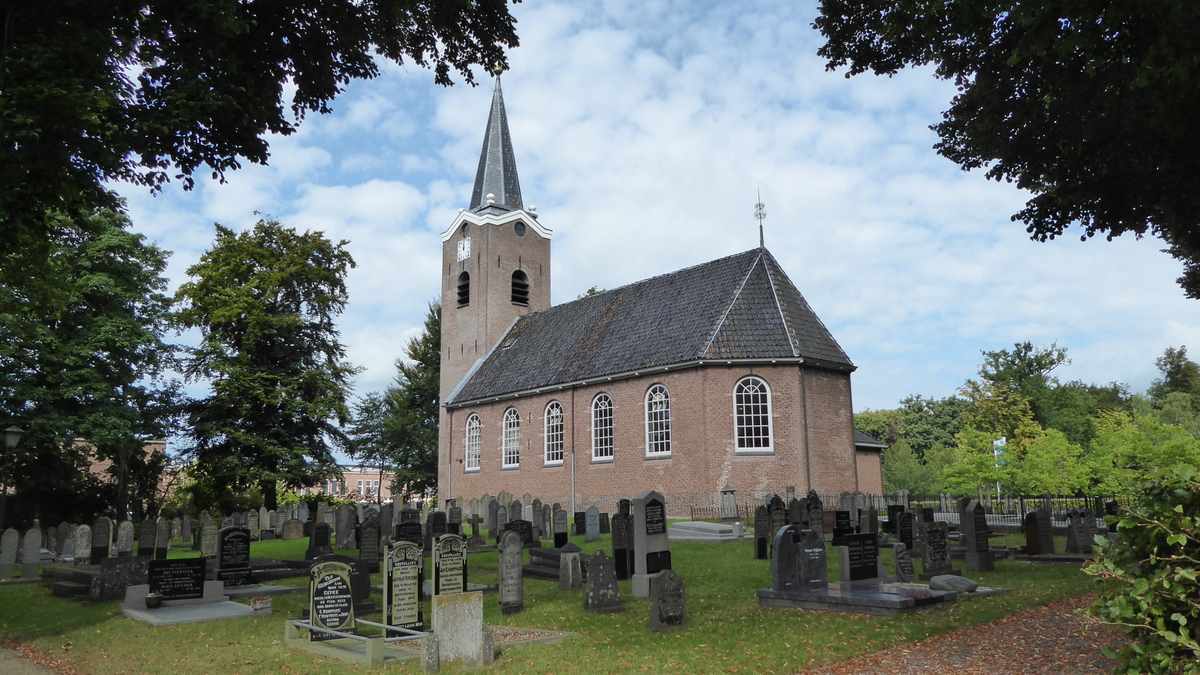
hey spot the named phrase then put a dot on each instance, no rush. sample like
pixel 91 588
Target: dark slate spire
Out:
pixel 497 172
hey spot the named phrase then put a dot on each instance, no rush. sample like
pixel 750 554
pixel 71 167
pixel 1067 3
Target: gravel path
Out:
pixel 12 663
pixel 1058 638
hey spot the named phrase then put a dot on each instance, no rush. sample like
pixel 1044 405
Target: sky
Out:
pixel 643 131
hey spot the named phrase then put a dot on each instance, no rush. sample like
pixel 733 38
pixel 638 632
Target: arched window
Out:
pixel 472 454
pixel 602 428
pixel 658 421
pixel 510 443
pixel 464 289
pixel 520 288
pixel 752 415
pixel 553 433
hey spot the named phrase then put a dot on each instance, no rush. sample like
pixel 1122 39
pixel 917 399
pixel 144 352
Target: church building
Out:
pixel 714 377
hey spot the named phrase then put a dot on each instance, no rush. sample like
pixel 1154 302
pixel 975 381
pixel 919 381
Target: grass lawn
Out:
pixel 726 630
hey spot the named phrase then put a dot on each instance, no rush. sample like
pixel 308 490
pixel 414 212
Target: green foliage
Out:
pixel 1087 105
pixel 971 466
pixel 413 408
pixel 1130 449
pixel 1047 464
pixel 1025 368
pixel 1150 575
pixel 95 92
pixel 1178 373
pixel 83 356
pixel 921 422
pixel 998 409
pixel 265 301
pixel 1180 409
pixel 903 471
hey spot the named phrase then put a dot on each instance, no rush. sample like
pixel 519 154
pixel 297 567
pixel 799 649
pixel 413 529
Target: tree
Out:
pixel 903 471
pixel 882 424
pixel 1130 449
pixel 1047 464
pixel 413 403
pixel 1179 409
pixel 83 356
pixel 1086 105
pixel 1179 374
pixel 367 435
pixel 1072 407
pixel 265 302
pixel 998 410
pixel 1025 368
pixel 96 92
pixel 972 466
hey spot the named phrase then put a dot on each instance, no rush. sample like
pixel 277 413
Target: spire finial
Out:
pixel 497 172
pixel 760 214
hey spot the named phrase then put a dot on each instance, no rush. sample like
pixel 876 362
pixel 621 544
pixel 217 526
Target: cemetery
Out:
pixel 514 600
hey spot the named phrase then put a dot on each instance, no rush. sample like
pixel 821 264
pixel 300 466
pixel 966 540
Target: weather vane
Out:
pixel 760 214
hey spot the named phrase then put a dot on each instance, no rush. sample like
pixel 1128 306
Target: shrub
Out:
pixel 1150 572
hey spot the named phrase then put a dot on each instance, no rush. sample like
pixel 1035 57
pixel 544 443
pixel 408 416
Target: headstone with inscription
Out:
pixel 560 529
pixel 667 601
pixel 404 574
pixel 841 527
pixel 102 532
pixel 501 521
pixel 936 558
pixel 523 528
pixel 536 519
pixel 904 563
pixel 83 544
pixel 493 513
pixel 728 508
pixel 859 556
pixel 331 598
pixel 762 533
pixel 605 523
pixel 580 521
pixel 652 549
pixel 449 564
pixel 905 527
pixel 512 583
pixel 293 529
pixel 233 558
pixel 347 520
pixel 1039 539
pixel 592 523
pixel 620 545
pixel 31 551
pixel 319 541
pixel 180 579
pixel 454 520
pixel 124 539
pixel 147 530
pixel 368 545
pixel 162 538
pixel 252 524
pixel 893 519
pixel 602 594
pixel 816 512
pixel 974 529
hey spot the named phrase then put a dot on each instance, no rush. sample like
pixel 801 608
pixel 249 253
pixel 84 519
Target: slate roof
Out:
pixel 862 438
pixel 738 307
pixel 497 172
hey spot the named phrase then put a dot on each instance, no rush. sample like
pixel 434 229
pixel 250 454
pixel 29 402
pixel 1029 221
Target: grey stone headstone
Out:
pixel 102 534
pixel 937 553
pixel 501 521
pixel 162 538
pixel 816 512
pixel 814 571
pixel 547 521
pixel 31 551
pixel 368 544
pixel 570 571
pixel 454 519
pixel 176 527
pixel 493 512
pixel 253 524
pixel 449 564
pixel 515 510
pixel 904 563
pixel 668 606
pixel 605 523
pixel 146 533
pixel 68 550
pixel 592 524
pixel 208 537
pixel 650 543
pixel 10 543
pixel 83 544
pixel 185 529
pixel 66 531
pixel 302 513
pixel 762 533
pixel 347 519
pixel 535 516
pixel 124 539
pixel 785 564
pixel 974 527
pixel 512 585
pixel 603 595
pixel 293 529
pixel 728 508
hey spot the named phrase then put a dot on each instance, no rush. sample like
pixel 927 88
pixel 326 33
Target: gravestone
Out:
pixel 162 538
pixel 1038 535
pixel 560 529
pixel 785 564
pixel 512 583
pixel 580 523
pixel 904 563
pixel 67 554
pixel 436 525
pixel 796 513
pixel 620 545
pixel 602 595
pixel 906 525
pixel 368 545
pixel 501 521
pixel 652 549
pixel 180 579
pixel 728 508
pixel 409 530
pixel 404 576
pixel 871 521
pixel 516 511
pixel 115 575
pixel 454 520
pixel 1079 535
pixel 476 540
pixel 449 564
pixel 841 527
pixel 860 556
pixel 227 521
pixel 233 559
pixel 185 528
pixel 974 527
pixel 252 524
pixel 319 542
pixel 493 513
pixel 813 570
pixel 777 515
pixel 762 533
pixel 10 543
pixel 570 568
pixel 208 538
pixel 265 524
pixel 936 557
pixel 536 518
pixel 1112 512
pixel 347 519
pixel 893 518
pixel 592 524
pixel 300 513
pixel 816 512
pixel 147 530
pixel 83 544
pixel 66 532
pixel 31 551
pixel 522 527
pixel 102 531
pixel 124 539
pixel 293 529
pixel 331 596
pixel 667 602
pixel 605 524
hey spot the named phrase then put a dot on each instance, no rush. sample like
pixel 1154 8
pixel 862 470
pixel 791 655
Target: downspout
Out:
pixel 807 444
pixel 449 453
pixel 572 451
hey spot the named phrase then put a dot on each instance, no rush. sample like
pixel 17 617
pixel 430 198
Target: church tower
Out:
pixel 495 264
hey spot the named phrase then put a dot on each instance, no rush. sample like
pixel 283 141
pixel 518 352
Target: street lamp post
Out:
pixel 12 437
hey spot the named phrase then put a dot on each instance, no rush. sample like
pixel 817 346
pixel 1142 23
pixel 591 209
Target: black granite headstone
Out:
pixel 180 579
pixel 621 541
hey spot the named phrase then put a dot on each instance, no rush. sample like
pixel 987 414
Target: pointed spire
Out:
pixel 497 172
pixel 760 214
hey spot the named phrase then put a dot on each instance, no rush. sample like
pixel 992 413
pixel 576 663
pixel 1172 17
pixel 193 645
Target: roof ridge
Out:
pixel 787 329
pixel 807 306
pixel 640 282
pixel 724 315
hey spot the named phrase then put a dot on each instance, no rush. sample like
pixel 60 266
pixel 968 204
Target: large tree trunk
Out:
pixel 268 494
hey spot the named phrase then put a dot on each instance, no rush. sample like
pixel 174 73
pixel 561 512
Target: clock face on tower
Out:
pixel 464 248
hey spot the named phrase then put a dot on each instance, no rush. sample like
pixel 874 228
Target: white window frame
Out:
pixel 607 442
pixel 552 437
pixel 473 437
pixel 360 488
pixel 655 446
pixel 510 439
pixel 748 419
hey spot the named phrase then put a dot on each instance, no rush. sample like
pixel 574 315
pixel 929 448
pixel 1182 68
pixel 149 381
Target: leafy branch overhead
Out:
pixel 1090 106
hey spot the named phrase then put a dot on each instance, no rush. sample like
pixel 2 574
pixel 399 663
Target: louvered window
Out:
pixel 464 289
pixel 520 288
